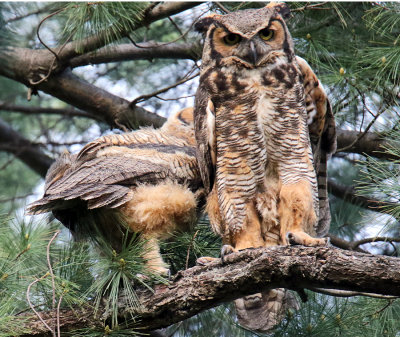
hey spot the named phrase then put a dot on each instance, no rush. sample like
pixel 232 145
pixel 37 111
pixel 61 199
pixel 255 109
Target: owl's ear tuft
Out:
pixel 280 8
pixel 203 24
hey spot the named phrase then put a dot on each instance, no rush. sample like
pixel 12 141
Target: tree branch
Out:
pixel 24 65
pixel 371 144
pixel 249 271
pixel 12 142
pixel 33 110
pixel 348 194
pixel 129 52
pixel 97 41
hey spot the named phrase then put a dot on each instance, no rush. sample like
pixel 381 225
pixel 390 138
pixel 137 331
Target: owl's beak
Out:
pixel 253 52
pixel 250 54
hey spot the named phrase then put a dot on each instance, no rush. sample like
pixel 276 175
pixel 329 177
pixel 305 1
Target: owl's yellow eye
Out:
pixel 266 34
pixel 232 39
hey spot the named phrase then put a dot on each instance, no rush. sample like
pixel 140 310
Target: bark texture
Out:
pixel 249 271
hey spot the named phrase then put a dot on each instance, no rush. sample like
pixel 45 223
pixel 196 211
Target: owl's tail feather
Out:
pixel 261 312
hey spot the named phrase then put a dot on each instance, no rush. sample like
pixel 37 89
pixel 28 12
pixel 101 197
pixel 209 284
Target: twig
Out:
pixel 30 303
pixel 182 36
pixel 58 316
pixel 38 28
pixel 361 135
pixel 389 303
pixel 188 250
pixel 51 272
pixel 346 293
pixel 222 7
pixel 314 6
pixel 173 99
pixel 177 28
pixel 22 252
pixel 146 97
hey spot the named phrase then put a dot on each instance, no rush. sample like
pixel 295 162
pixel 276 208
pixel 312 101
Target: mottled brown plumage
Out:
pixel 146 179
pixel 257 106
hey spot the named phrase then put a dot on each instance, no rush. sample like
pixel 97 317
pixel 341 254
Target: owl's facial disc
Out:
pixel 250 51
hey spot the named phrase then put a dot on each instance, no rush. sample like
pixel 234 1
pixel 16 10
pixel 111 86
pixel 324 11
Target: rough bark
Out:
pixel 203 287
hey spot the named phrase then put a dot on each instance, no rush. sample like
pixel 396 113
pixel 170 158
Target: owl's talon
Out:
pixel 226 250
pixel 291 239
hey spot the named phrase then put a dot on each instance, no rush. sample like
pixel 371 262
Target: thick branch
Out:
pixel 250 271
pixel 23 65
pixel 12 142
pixel 129 52
pixel 92 43
pixel 372 144
pixel 33 110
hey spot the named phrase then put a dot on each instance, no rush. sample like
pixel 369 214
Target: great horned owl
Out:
pixel 146 179
pixel 252 111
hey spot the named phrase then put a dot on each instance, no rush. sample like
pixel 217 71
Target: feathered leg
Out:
pixel 297 215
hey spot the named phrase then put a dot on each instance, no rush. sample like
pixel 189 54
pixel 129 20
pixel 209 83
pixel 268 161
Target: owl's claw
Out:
pixel 301 238
pixel 226 250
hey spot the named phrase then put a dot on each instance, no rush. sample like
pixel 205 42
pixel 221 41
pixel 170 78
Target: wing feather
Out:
pixel 321 125
pixel 205 137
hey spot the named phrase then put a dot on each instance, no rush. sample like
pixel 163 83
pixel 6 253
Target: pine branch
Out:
pixel 129 52
pixel 253 270
pixel 97 41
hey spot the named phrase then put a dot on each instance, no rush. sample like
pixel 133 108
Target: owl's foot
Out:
pixel 226 250
pixel 205 260
pixel 302 238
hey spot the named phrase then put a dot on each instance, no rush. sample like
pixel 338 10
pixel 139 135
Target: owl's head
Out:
pixel 250 38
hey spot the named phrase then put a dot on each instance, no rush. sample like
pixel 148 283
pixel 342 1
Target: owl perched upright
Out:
pixel 259 115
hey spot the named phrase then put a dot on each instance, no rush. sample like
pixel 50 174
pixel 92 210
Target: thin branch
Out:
pixel 355 244
pixel 58 315
pixel 361 135
pixel 53 285
pixel 222 7
pixel 31 305
pixel 146 97
pixel 161 11
pixel 345 293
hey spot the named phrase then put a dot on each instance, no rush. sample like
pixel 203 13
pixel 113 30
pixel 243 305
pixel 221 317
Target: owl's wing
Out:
pixel 321 125
pixel 204 125
pixel 108 178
